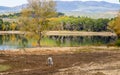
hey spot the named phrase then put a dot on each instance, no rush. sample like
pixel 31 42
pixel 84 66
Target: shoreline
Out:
pixel 61 50
pixel 65 33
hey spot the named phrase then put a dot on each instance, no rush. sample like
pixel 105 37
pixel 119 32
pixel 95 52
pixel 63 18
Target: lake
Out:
pixel 14 41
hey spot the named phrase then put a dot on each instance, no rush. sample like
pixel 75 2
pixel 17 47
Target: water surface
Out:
pixel 19 41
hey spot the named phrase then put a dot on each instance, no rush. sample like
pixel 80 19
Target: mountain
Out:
pixel 88 6
pixel 77 8
pixel 92 9
pixel 4 9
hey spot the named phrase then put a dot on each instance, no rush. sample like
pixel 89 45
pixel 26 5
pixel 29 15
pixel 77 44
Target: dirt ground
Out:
pixel 66 62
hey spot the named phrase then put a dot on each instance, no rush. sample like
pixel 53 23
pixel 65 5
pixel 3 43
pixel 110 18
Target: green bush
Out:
pixel 118 42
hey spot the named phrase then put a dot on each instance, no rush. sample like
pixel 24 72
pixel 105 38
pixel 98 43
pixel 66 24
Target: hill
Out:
pixel 88 8
pixel 77 8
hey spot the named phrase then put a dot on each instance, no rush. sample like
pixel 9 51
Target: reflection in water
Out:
pixel 19 41
pixel 12 42
pixel 83 40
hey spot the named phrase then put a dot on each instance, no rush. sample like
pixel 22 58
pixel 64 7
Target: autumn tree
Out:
pixel 114 25
pixel 13 26
pixel 6 26
pixel 34 18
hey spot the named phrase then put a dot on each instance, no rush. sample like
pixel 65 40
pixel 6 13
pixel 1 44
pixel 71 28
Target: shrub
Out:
pixel 117 42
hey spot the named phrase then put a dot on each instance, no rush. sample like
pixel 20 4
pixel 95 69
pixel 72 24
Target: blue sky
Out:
pixel 12 3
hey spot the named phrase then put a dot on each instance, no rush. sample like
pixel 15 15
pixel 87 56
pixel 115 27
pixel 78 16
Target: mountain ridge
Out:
pixel 72 7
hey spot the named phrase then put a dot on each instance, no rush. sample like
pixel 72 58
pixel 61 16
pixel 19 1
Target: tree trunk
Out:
pixel 39 40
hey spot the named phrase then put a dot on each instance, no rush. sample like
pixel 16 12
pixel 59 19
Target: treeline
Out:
pixel 8 26
pixel 79 24
pixel 66 23
pixel 16 15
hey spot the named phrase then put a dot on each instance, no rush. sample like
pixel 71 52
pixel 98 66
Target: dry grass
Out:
pixel 66 33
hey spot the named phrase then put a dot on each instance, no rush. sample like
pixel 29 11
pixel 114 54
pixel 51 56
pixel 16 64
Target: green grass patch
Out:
pixel 4 67
pixel 48 42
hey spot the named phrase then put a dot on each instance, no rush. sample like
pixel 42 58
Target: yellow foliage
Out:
pixel 34 44
pixel 3 27
pixel 13 26
pixel 115 25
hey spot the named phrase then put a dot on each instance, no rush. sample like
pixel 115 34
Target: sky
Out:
pixel 12 3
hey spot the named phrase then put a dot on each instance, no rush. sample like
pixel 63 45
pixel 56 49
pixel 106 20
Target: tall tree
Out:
pixel 114 25
pixel 34 18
